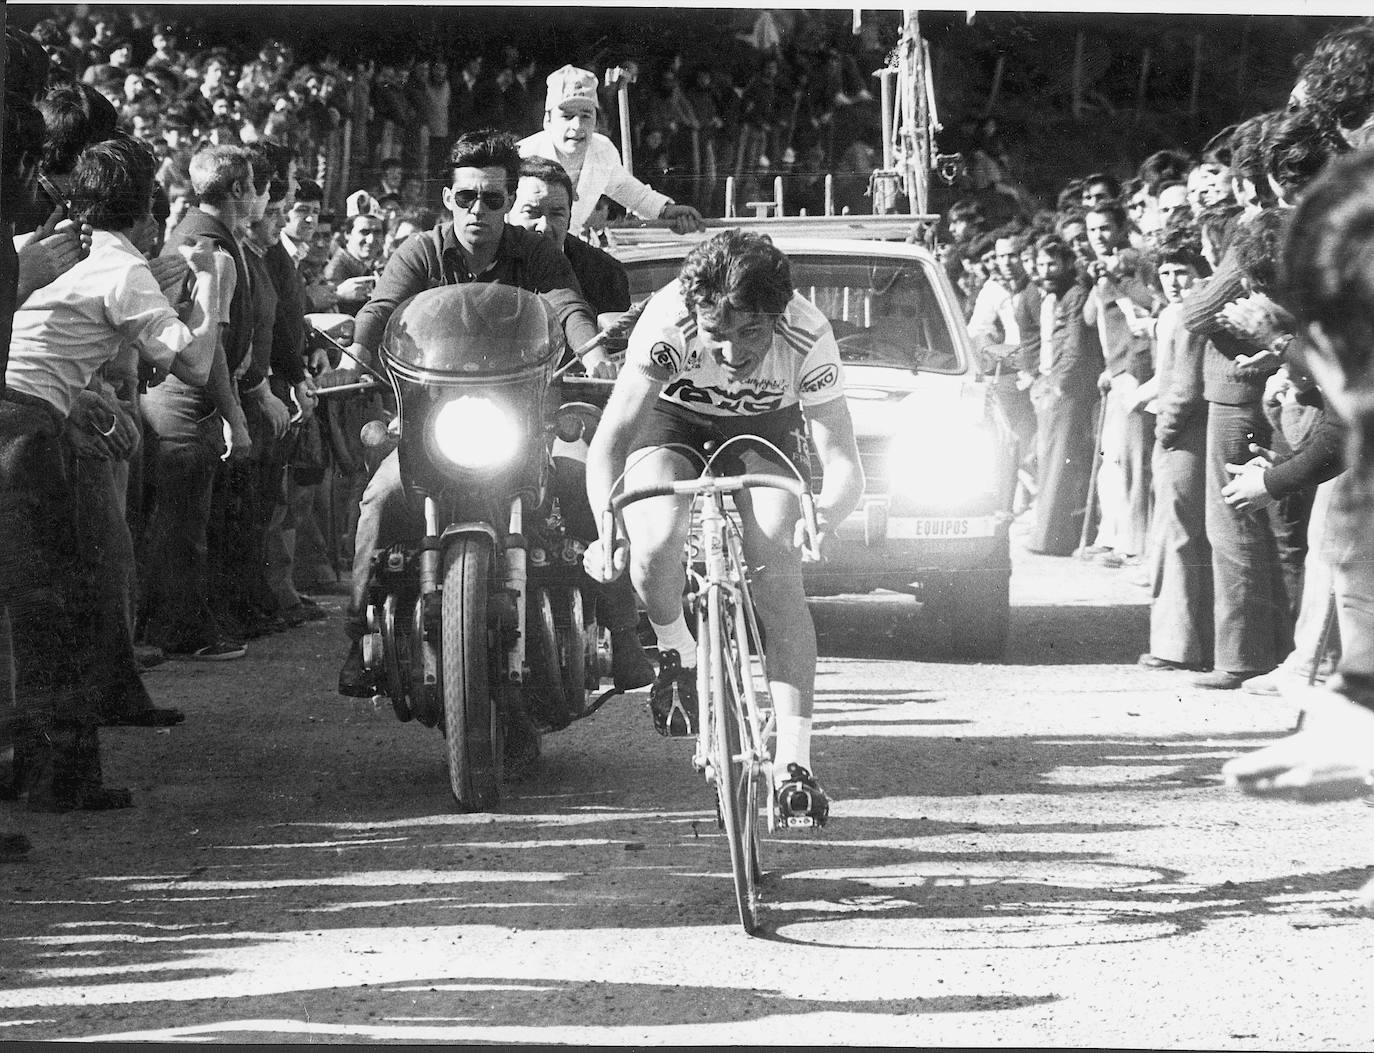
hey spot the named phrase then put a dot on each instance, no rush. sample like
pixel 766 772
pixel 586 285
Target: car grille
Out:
pixel 873 458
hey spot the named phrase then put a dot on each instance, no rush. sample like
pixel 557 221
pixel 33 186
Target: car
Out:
pixel 939 460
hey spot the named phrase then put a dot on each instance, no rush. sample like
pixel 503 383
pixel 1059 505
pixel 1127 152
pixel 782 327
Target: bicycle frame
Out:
pixel 722 586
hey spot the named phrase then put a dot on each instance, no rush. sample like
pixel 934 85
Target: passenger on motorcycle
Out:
pixel 479 245
pixel 730 348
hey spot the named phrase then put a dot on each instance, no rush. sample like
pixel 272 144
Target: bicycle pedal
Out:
pixel 798 822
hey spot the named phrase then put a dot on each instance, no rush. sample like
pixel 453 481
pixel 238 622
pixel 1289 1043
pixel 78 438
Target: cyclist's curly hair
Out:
pixel 739 270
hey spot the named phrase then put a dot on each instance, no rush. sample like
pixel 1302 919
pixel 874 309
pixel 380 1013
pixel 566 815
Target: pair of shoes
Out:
pixel 1153 661
pixel 355 679
pixel 224 650
pixel 149 717
pixel 1110 559
pixel 630 666
pixel 1222 680
pixel 799 800
pixel 673 697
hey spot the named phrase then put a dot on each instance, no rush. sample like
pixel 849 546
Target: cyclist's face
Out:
pixel 737 340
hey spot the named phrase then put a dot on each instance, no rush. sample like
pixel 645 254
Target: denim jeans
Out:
pixel 1252 624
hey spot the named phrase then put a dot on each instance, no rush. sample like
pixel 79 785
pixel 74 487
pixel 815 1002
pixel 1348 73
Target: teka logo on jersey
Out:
pixel 664 355
pixel 820 378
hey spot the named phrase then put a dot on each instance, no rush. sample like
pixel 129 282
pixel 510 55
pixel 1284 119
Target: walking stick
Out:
pixel 1092 479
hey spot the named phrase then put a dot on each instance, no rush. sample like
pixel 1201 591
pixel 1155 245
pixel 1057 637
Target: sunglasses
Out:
pixel 495 200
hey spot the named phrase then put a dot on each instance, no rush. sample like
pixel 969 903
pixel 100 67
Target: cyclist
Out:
pixel 730 348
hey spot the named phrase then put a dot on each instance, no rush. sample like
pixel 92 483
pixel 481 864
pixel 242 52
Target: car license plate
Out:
pixel 938 529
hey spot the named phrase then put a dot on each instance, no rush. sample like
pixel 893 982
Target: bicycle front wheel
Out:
pixel 736 775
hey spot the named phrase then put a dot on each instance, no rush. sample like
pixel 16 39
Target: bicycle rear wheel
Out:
pixel 736 776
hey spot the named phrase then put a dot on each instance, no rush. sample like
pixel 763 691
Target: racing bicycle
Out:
pixel 735 714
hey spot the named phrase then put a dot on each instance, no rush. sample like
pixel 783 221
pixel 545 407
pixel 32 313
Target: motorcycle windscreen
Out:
pixel 476 329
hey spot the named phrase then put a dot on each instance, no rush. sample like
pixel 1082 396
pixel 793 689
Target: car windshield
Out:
pixel 885 311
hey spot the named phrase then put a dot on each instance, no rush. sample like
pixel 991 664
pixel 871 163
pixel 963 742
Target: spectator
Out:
pixel 590 159
pixel 1064 395
pixel 62 335
pixel 354 267
pixel 1180 555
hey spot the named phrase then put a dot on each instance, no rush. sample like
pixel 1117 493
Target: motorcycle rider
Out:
pixel 730 348
pixel 479 245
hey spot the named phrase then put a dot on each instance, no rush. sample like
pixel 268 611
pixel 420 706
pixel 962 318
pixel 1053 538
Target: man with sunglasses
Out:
pixel 479 245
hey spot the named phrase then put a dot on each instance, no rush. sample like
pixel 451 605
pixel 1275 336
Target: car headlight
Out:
pixel 475 432
pixel 937 468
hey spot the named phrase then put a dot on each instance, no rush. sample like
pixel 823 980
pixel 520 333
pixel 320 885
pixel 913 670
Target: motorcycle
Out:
pixel 485 625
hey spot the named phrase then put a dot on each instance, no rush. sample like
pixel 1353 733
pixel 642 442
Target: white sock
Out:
pixel 793 746
pixel 677 637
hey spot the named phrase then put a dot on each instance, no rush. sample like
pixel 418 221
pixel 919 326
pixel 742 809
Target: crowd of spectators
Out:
pixel 1136 337
pixel 1141 350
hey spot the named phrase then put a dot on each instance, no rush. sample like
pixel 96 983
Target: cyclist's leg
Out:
pixel 657 530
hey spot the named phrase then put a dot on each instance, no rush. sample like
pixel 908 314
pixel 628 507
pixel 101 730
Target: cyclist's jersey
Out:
pixel 802 367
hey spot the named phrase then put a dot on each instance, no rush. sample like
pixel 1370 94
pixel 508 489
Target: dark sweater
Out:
pixel 1320 458
pixel 288 332
pixel 523 258
pixel 238 337
pixel 1222 381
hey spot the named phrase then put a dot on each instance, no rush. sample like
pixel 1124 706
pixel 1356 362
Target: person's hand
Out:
pixel 1278 388
pixel 1024 379
pixel 1255 318
pixel 93 426
pixel 599 365
pixel 818 553
pixel 684 219
pixel 1246 491
pixel 1260 362
pixel 359 288
pixel 125 439
pixel 1104 382
pixel 237 442
pixel 276 411
pixel 1330 759
pixel 594 560
pixel 53 249
pixel 306 398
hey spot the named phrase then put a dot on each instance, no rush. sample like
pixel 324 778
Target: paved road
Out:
pixel 1031 853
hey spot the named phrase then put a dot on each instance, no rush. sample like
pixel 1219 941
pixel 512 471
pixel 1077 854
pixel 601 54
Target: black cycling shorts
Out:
pixel 784 428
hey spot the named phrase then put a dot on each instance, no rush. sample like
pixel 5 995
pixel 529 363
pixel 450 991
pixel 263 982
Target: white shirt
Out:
pixel 992 314
pixel 68 329
pixel 602 173
pixel 802 366
pixel 1047 306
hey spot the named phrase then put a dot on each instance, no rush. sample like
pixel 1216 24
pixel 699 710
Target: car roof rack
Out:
pixel 895 227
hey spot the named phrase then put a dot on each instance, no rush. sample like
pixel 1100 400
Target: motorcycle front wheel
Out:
pixel 470 713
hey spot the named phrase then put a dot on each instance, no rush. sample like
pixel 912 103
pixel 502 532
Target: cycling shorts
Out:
pixel 784 428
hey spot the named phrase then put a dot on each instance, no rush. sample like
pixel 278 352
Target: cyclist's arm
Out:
pixel 832 430
pixel 631 401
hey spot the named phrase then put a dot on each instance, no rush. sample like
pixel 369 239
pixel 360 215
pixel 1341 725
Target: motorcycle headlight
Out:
pixel 475 432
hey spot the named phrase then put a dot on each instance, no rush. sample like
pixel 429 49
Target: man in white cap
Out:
pixel 591 160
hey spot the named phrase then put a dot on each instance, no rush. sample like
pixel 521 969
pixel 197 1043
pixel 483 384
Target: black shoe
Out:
pixel 355 679
pixel 148 717
pixel 673 697
pixel 630 666
pixel 800 801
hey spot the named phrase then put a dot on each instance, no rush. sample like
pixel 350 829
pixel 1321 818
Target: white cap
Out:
pixel 570 88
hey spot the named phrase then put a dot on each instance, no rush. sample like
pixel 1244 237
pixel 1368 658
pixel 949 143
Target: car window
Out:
pixel 885 312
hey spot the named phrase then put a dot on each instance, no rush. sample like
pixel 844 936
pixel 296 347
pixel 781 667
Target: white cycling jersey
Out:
pixel 802 366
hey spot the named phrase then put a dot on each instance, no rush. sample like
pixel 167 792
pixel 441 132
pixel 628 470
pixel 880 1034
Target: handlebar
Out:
pixel 710 484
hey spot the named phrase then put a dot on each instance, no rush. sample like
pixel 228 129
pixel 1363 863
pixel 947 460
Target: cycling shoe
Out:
pixel 799 801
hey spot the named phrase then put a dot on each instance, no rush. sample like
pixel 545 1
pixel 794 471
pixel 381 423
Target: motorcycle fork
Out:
pixel 429 587
pixel 516 583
